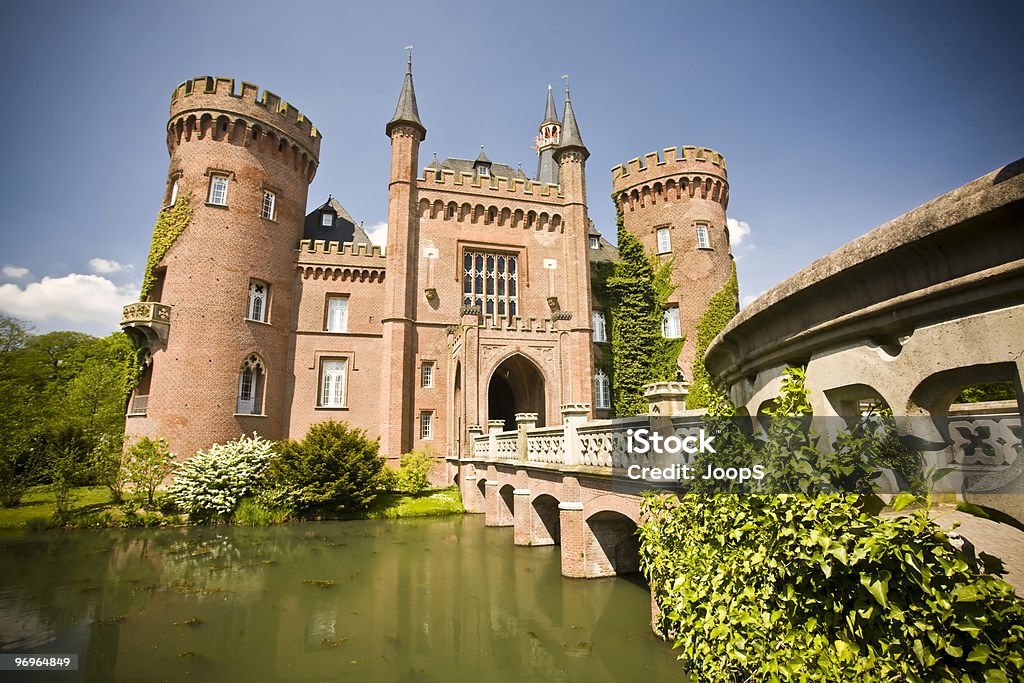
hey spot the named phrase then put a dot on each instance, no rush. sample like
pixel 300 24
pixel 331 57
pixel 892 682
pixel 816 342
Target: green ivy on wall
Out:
pixel 637 290
pixel 721 309
pixel 170 223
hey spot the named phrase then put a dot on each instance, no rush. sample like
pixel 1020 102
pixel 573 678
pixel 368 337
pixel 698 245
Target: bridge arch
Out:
pixel 545 521
pixel 612 544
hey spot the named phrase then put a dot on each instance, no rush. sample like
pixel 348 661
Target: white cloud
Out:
pixel 749 298
pixel 105 266
pixel 738 231
pixel 82 300
pixel 378 233
pixel 14 271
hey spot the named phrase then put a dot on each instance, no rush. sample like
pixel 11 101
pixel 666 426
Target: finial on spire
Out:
pixel 566 77
pixel 409 48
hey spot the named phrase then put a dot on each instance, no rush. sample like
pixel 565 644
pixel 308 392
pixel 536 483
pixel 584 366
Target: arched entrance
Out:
pixel 516 386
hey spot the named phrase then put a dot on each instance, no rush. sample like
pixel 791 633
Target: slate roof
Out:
pixel 467 166
pixel 345 228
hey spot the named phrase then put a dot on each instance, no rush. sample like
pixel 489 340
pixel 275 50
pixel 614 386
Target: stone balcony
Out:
pixel 147 321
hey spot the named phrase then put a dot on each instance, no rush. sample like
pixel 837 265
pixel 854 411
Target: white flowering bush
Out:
pixel 213 483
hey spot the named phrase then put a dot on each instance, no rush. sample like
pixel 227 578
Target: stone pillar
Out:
pixel 474 431
pixel 471 498
pixel 494 427
pixel 574 539
pixel 521 517
pixel 666 398
pixel 524 423
pixel 573 415
pixel 492 503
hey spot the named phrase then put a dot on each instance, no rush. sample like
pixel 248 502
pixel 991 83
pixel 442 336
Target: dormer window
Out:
pixel 595 243
pixel 483 171
pixel 327 220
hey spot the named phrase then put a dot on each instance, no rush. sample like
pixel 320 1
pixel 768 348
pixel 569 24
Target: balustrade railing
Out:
pixel 546 445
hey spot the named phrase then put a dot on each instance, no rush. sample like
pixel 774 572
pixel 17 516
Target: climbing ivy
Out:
pixel 721 309
pixel 170 223
pixel 637 291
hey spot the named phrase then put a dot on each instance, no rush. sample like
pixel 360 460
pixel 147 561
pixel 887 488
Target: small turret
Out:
pixel 570 130
pixel 547 142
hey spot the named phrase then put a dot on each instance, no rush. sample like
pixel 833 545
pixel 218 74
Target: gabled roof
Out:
pixel 344 229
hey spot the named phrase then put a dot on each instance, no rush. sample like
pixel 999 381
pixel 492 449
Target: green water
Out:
pixel 443 599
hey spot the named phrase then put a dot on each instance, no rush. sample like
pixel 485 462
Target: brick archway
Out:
pixel 516 385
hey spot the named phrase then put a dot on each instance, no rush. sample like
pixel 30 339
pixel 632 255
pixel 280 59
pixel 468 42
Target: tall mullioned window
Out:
pixel 332 382
pixel 427 374
pixel 600 329
pixel 269 205
pixel 259 300
pixel 219 190
pixel 664 241
pixel 491 281
pixel 670 323
pixel 426 425
pixel 250 386
pixel 703 242
pixel 602 390
pixel 337 314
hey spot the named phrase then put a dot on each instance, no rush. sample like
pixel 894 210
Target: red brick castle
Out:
pixel 263 317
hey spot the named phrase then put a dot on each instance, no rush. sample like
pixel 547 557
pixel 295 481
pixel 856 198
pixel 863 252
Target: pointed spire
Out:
pixel 434 164
pixel 550 114
pixel 570 129
pixel 482 158
pixel 406 111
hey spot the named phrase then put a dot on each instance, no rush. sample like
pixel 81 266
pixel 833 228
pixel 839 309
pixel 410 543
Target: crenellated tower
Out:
pixel 216 315
pixel 397 378
pixel 675 203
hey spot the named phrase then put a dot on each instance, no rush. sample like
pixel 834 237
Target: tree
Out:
pixel 148 463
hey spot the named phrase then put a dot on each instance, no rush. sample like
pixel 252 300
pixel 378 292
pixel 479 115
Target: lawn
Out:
pixel 431 502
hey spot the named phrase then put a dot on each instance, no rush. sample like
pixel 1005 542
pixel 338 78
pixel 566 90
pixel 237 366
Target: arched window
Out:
pixel 259 298
pixel 250 386
pixel 602 390
pixel 600 331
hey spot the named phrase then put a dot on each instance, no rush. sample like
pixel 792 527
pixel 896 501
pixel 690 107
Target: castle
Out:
pixel 261 317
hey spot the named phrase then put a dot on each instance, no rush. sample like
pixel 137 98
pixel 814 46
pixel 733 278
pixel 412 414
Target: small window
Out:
pixel 269 204
pixel 600 332
pixel 337 314
pixel 327 219
pixel 595 242
pixel 332 383
pixel 259 300
pixel 483 171
pixel 250 386
pixel 426 425
pixel 219 190
pixel 174 193
pixel 670 323
pixel 702 237
pixel 664 241
pixel 602 390
pixel 427 374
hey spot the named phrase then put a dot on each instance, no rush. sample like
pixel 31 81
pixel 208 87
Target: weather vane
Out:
pixel 409 48
pixel 566 77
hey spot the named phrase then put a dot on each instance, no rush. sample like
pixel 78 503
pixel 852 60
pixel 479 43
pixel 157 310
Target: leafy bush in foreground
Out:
pixel 213 483
pixel 335 468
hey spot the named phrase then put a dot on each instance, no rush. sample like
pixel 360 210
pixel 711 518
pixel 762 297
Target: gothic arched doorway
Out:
pixel 516 386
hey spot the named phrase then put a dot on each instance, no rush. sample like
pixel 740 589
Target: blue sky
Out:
pixel 833 117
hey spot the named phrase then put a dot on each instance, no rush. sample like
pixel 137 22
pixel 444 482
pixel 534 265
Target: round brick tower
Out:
pixel 217 317
pixel 675 204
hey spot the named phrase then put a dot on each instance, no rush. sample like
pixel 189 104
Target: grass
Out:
pixel 92 508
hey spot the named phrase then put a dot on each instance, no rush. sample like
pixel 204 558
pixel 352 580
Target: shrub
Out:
pixel 334 468
pixel 147 463
pixel 256 512
pixel 213 483
pixel 413 470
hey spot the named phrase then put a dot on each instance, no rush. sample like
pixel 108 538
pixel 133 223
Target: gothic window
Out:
pixel 670 323
pixel 664 241
pixel 598 323
pixel 337 314
pixel 259 301
pixel 250 386
pixel 219 190
pixel 491 282
pixel 332 382
pixel 702 237
pixel 602 390
pixel 269 204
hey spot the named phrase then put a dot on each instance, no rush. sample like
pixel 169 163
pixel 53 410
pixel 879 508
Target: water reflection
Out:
pixel 411 600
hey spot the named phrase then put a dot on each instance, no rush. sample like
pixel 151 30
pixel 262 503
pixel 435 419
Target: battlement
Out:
pixel 670 161
pixel 444 178
pixel 336 248
pixel 220 95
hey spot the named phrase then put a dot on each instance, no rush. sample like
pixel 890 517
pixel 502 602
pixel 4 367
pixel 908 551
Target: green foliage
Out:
pixel 798 588
pixel 721 309
pixel 108 464
pixel 170 223
pixel 640 355
pixel 147 464
pixel 66 454
pixel 411 476
pixel 334 469
pixel 990 391
pixel 256 512
pixel 213 483
pixel 424 504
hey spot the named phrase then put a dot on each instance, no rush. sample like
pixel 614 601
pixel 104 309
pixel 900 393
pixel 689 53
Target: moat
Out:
pixel 442 599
